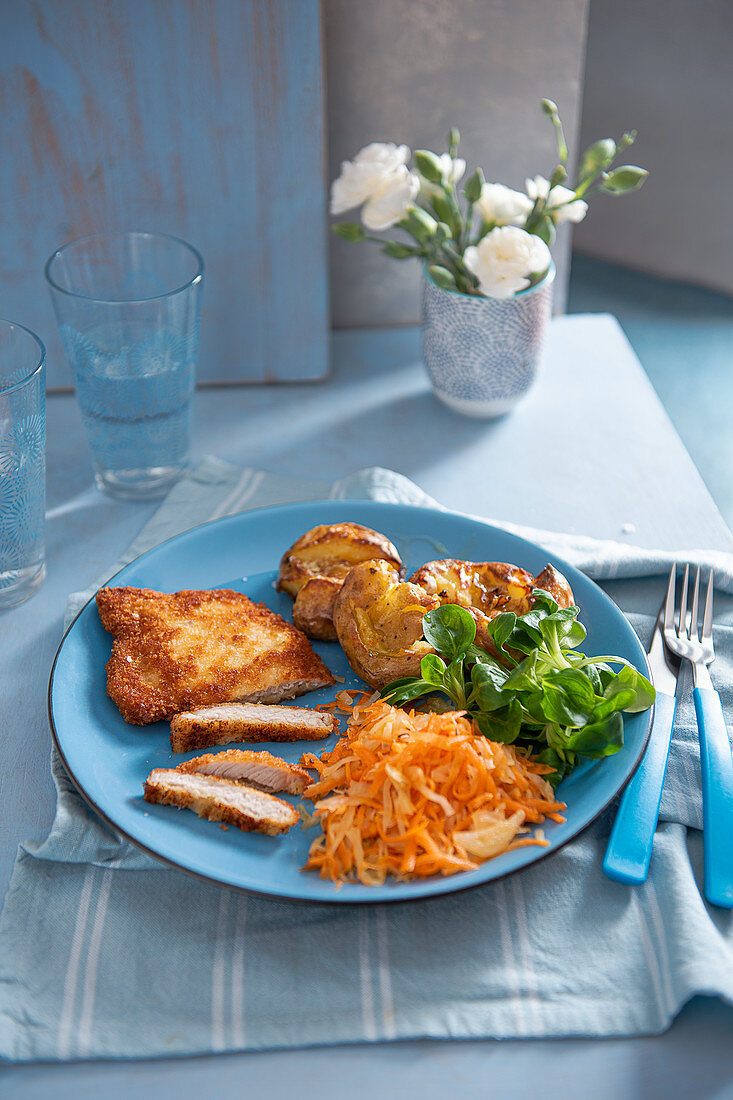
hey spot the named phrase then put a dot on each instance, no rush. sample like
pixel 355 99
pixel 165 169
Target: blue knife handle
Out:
pixel 717 797
pixel 629 850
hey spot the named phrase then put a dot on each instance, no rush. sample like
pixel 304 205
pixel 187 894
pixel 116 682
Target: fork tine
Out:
pixel 707 621
pixel 682 628
pixel 693 633
pixel 669 605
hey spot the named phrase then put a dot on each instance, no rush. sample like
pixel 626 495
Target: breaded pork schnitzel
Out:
pixel 183 650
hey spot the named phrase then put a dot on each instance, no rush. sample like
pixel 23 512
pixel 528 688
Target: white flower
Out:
pixel 390 200
pixel 500 204
pixel 452 169
pixel 361 176
pixel 537 188
pixel 571 210
pixel 506 257
pixel 561 201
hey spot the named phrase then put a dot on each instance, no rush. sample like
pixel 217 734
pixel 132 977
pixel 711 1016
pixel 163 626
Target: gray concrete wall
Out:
pixel 664 67
pixel 406 70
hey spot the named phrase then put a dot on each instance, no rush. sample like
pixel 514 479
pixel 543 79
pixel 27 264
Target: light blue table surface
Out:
pixel 590 451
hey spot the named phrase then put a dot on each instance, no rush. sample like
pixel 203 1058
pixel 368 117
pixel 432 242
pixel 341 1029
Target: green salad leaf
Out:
pixel 536 689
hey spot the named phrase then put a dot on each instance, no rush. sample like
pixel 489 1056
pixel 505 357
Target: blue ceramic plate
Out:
pixel 108 760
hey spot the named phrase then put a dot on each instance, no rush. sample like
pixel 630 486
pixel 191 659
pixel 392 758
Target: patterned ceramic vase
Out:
pixel 483 354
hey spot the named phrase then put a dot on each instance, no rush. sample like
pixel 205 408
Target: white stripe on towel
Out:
pixel 90 980
pixel 229 503
pixel 652 961
pixel 259 477
pixel 239 1032
pixel 218 975
pixel 385 976
pixel 367 994
pixel 658 923
pixel 72 967
pixel 510 961
pixel 525 951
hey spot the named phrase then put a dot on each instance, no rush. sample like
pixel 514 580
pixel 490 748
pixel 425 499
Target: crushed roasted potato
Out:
pixel 378 621
pixel 314 568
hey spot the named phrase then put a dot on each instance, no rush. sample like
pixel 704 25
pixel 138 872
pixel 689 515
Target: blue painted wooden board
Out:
pixel 200 118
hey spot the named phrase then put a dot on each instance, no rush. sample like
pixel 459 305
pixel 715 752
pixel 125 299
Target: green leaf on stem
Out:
pixel 442 277
pixel 450 630
pixel 428 166
pixel 419 224
pixel 597 157
pixel 550 109
pixel 487 681
pixel 501 627
pixel 442 208
pixel 544 228
pixel 350 231
pixel 405 690
pixel 599 739
pixel 501 725
pixel 473 186
pixel 630 679
pixel 454 140
pixel 432 669
pixel 400 251
pixel 624 179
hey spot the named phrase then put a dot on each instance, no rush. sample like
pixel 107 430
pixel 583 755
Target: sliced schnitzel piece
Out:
pixel 182 650
pixel 219 799
pixel 227 722
pixel 261 769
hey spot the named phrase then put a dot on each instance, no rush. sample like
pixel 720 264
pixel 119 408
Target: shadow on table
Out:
pixel 408 433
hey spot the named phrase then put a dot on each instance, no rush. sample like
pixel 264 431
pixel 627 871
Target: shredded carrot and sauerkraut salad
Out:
pixel 415 794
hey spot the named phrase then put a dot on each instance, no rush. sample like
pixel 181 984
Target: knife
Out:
pixel 629 850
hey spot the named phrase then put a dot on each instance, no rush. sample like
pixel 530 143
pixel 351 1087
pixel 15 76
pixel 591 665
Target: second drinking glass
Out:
pixel 128 307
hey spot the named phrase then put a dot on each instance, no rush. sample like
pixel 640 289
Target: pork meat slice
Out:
pixel 219 799
pixel 227 722
pixel 261 769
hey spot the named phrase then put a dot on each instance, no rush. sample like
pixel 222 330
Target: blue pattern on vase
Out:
pixel 484 350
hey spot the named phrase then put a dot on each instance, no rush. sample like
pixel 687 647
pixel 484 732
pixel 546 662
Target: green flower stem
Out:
pixel 450 194
pixel 466 236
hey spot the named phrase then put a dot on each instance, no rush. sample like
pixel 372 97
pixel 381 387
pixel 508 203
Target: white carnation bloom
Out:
pixel 391 199
pixel 504 260
pixel 500 204
pixel 361 176
pixel 561 200
pixel 453 170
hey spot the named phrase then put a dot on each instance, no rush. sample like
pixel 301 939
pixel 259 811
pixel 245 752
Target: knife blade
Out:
pixel 629 850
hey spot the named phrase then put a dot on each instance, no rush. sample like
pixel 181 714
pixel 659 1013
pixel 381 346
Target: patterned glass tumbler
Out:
pixel 22 463
pixel 128 307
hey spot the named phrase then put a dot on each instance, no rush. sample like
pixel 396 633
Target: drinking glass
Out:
pixel 128 307
pixel 22 463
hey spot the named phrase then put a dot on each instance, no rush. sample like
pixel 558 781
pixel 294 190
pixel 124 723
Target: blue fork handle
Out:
pixel 717 797
pixel 629 850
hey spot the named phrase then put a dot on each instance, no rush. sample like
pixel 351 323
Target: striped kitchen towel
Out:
pixel 105 953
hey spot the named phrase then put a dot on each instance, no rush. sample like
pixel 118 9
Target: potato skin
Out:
pixel 378 620
pixel 313 608
pixel 313 570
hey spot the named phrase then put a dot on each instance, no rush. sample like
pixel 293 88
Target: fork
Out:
pixel 716 760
